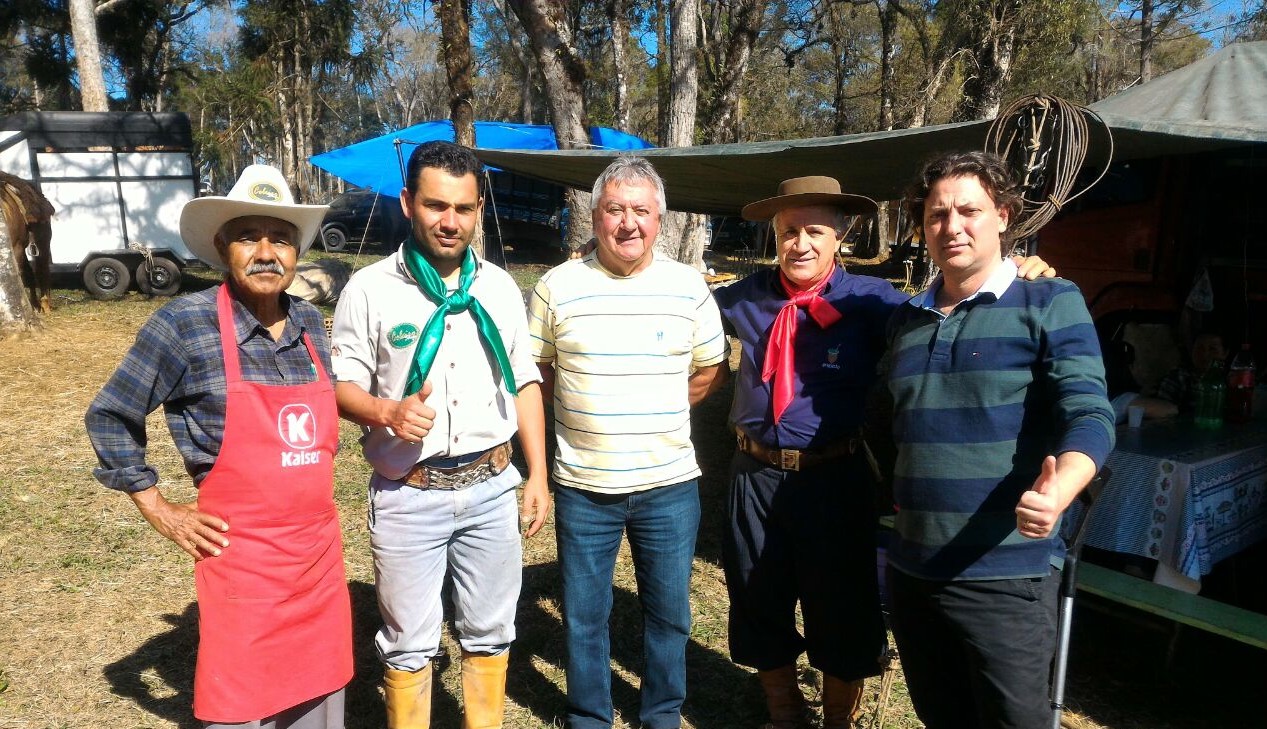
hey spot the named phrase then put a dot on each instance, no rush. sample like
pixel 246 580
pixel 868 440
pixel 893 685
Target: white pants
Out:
pixel 418 535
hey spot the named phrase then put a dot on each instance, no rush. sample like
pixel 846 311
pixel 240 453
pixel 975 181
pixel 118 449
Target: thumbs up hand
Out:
pixel 411 418
pixel 1040 507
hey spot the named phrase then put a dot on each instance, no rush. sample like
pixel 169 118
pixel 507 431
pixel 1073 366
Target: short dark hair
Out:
pixel 989 169
pixel 452 158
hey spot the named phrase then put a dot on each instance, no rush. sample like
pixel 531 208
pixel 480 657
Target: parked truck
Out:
pixel 118 181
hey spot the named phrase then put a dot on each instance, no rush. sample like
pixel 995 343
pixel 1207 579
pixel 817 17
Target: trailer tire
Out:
pixel 162 280
pixel 333 239
pixel 107 278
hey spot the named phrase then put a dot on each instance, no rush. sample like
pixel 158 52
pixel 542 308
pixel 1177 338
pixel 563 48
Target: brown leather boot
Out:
pixel 408 695
pixel 483 690
pixel 784 699
pixel 842 702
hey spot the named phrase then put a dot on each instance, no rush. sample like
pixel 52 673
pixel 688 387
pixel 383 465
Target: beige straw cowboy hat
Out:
pixel 260 190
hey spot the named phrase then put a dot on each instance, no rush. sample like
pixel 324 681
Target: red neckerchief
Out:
pixel 780 353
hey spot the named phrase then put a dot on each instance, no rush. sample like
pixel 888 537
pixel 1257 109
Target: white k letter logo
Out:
pixel 297 427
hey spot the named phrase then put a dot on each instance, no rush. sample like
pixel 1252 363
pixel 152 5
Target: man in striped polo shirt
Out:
pixel 627 341
pixel 1001 419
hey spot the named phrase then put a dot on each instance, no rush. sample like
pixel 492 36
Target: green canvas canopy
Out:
pixel 1217 102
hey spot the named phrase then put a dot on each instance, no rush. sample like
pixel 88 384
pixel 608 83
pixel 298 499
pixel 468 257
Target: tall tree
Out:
pixel 618 18
pixel 1155 19
pixel 302 43
pixel 553 42
pixel 991 43
pixel 144 38
pixel 731 30
pixel 682 235
pixel 455 35
pixel 92 80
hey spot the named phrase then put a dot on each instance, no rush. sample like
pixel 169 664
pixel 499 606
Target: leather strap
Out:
pixel 489 464
pixel 791 459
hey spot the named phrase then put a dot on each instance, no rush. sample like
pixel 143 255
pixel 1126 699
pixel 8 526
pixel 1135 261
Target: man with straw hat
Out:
pixel 432 359
pixel 801 514
pixel 241 372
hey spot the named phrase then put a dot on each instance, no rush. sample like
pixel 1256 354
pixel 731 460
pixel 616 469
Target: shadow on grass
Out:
pixel 713 701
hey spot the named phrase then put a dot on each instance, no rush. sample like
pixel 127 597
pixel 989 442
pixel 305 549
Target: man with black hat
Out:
pixel 241 372
pixel 801 514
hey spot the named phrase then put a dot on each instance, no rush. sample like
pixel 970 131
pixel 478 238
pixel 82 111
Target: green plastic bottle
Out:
pixel 1211 392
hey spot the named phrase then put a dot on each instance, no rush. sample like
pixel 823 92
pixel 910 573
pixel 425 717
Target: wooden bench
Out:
pixel 1216 617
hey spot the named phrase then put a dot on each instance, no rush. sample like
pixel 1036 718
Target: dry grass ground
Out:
pixel 97 612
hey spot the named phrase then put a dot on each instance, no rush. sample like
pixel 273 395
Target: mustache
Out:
pixel 269 267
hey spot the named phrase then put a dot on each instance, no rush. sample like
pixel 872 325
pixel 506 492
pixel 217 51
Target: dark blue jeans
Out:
pixel 661 525
pixel 976 654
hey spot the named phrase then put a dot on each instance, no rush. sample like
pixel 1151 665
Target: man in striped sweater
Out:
pixel 628 342
pixel 1001 419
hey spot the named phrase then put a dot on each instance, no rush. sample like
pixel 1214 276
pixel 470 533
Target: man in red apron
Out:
pixel 241 371
pixel 431 355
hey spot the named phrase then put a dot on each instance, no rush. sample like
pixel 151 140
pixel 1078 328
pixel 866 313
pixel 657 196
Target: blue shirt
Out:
pixel 177 362
pixel 834 368
pixel 981 396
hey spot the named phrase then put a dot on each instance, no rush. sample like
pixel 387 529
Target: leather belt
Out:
pixel 791 459
pixel 488 464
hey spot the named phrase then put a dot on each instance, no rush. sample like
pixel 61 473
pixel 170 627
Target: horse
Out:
pixel 28 215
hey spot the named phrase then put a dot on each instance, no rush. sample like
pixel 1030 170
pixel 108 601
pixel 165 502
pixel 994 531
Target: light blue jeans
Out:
pixel 417 535
pixel 661 525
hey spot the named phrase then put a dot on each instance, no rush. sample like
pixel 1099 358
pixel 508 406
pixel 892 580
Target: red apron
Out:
pixel 274 618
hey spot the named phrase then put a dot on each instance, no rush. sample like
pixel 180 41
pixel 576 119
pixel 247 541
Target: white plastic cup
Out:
pixel 1134 416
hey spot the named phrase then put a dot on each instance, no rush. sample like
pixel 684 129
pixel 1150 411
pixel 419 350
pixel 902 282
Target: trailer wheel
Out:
pixel 107 278
pixel 163 279
pixel 333 239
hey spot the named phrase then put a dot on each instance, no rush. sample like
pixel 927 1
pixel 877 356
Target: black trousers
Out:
pixel 976 654
pixel 806 537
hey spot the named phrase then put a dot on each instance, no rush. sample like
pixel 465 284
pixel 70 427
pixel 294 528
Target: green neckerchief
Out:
pixel 432 286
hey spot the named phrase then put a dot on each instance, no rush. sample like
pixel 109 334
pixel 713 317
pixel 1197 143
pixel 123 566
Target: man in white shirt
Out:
pixel 431 355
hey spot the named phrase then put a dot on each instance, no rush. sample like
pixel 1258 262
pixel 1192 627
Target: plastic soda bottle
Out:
pixel 1240 386
pixel 1211 389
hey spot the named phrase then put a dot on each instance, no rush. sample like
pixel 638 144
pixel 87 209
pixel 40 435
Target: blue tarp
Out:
pixel 376 164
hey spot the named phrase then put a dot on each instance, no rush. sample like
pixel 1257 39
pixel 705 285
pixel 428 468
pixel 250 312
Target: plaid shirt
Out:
pixel 177 362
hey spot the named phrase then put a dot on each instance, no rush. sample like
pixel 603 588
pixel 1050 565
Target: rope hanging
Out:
pixel 1045 139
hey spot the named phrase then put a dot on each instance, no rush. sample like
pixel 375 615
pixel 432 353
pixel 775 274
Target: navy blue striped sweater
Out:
pixel 980 398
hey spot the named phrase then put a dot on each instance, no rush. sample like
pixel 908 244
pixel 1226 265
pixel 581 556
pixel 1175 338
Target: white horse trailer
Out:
pixel 118 181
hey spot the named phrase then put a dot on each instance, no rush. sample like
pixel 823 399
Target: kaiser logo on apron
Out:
pixel 297 426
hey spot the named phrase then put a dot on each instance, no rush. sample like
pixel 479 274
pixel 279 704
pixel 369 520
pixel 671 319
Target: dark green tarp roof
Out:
pixel 1219 101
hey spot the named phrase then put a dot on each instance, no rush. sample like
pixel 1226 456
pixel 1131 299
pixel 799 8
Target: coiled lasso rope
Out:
pixel 1044 140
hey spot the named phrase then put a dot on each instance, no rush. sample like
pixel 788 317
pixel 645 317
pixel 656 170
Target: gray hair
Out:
pixel 629 170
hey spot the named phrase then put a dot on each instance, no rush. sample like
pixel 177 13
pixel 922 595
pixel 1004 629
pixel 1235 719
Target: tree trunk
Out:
pixel 92 81
pixel 455 47
pixel 455 44
pixel 661 75
pixel 888 52
pixel 722 122
pixel 563 73
pixel 16 314
pixel 617 13
pixel 528 68
pixel 992 50
pixel 1146 39
pixel 682 235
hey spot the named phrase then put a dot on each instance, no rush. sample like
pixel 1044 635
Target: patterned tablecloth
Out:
pixel 1184 497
